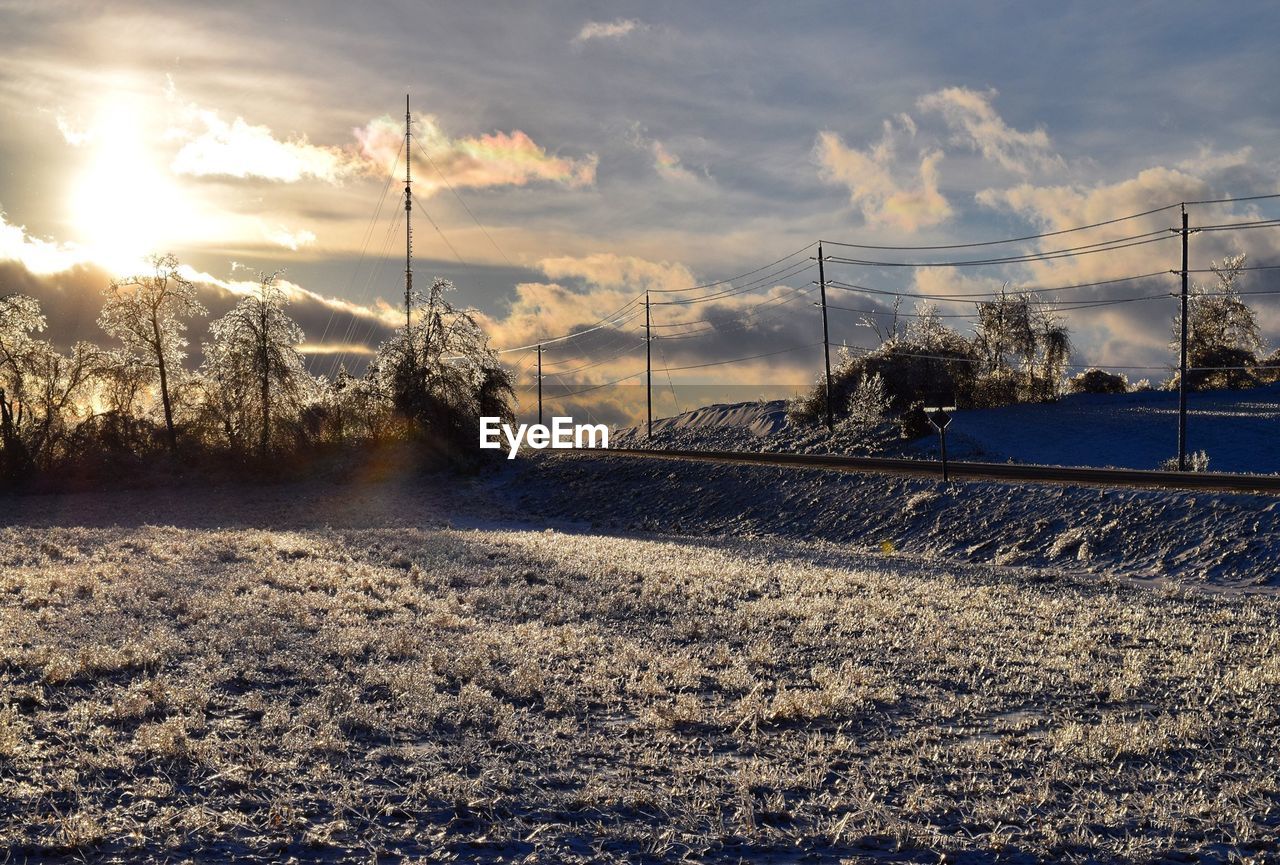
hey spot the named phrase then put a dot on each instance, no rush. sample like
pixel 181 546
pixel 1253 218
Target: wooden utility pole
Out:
pixel 1182 357
pixel 826 339
pixel 648 365
pixel 539 385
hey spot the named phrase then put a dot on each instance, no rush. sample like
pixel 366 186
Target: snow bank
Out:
pixel 1238 429
pixel 1206 538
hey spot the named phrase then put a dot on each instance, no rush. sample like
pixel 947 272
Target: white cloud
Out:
pixel 871 176
pixel 41 257
pixel 669 166
pixel 975 123
pixel 291 240
pixel 214 147
pixel 494 159
pixel 609 270
pixel 1208 160
pixel 607 29
pixel 74 137
pixel 240 149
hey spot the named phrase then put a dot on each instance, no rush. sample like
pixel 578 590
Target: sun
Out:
pixel 124 204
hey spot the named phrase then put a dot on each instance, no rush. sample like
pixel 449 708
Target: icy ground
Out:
pixel 443 670
pixel 1240 430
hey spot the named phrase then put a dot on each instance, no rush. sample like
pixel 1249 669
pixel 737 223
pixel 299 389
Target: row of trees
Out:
pixel 252 395
pixel 1019 352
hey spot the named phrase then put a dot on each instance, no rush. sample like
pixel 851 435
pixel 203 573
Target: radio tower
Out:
pixel 408 228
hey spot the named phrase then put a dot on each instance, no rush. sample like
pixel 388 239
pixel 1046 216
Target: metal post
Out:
pixel 1182 357
pixel 408 230
pixel 826 340
pixel 648 364
pixel 942 433
pixel 539 385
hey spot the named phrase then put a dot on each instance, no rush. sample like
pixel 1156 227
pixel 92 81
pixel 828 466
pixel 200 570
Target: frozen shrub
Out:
pixel 1197 461
pixel 869 404
pixel 1098 381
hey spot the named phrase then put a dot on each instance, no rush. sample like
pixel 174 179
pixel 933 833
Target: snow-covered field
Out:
pixel 447 669
pixel 1240 431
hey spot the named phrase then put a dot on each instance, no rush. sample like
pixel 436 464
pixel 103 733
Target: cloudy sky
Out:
pixel 571 156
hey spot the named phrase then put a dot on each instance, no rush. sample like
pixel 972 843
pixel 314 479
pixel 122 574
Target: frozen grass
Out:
pixel 364 683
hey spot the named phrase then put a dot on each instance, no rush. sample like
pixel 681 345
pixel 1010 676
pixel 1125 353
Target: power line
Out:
pixel 597 386
pixel 729 279
pixel 1068 307
pixel 1238 226
pixel 1250 267
pixel 612 342
pixel 1022 239
pixel 573 335
pixel 1070 252
pixel 364 245
pixel 1235 199
pixel 741 359
pixel 777 276
pixel 755 318
pixel 785 273
pixel 971 297
pixel 796 292
pixel 628 350
pixel 1042 235
pixel 675 399
pixel 456 195
pixel 438 231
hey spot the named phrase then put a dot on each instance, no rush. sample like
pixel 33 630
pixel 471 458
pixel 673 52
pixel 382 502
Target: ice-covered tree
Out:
pixel 147 314
pixel 253 366
pixel 440 373
pixel 355 408
pixel 42 392
pixel 1024 346
pixel 1223 339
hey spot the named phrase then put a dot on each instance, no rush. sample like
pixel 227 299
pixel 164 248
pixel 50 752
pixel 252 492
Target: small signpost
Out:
pixel 939 416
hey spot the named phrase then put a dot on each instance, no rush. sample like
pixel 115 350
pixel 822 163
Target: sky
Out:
pixel 570 156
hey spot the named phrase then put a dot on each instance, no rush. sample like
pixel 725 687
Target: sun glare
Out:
pixel 124 205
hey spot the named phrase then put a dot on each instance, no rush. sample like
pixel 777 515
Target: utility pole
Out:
pixel 408 229
pixel 1182 357
pixel 539 385
pixel 826 339
pixel 648 365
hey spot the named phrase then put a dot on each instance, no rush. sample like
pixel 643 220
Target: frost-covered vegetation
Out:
pixel 1019 352
pixel 253 675
pixel 99 414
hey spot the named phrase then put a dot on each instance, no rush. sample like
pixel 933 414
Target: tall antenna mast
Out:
pixel 408 228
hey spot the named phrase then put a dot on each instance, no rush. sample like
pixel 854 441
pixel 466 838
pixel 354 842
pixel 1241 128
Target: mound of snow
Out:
pixel 759 418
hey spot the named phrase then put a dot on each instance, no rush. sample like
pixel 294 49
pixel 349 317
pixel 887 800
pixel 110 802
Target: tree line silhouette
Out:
pixel 97 412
